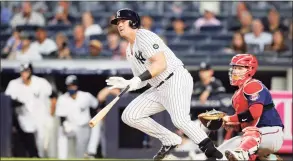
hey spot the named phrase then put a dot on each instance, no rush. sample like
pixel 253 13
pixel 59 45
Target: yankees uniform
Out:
pixel 73 109
pixel 171 90
pixel 34 113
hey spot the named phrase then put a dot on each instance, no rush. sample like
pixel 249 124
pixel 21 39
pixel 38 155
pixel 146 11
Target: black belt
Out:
pixel 161 83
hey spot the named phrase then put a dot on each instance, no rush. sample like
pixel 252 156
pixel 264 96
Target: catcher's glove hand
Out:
pixel 212 119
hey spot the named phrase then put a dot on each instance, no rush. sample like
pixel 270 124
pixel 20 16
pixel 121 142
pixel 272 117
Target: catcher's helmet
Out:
pixel 245 60
pixel 127 14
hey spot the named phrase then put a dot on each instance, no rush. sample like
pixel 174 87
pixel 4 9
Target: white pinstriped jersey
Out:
pixel 145 46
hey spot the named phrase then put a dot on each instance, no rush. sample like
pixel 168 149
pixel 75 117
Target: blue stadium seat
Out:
pixel 209 47
pixel 101 37
pixel 195 37
pixel 4 36
pixel 211 29
pixel 59 28
pixel 222 37
pixel 4 27
pixel 29 28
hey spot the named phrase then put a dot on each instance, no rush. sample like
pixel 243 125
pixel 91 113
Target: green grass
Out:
pixel 67 159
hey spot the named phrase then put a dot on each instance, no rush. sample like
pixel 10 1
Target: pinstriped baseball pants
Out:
pixel 175 97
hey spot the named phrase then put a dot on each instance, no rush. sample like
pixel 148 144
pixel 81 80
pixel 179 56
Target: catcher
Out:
pixel 255 115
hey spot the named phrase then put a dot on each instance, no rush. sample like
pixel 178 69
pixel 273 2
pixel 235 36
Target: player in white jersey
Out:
pixel 73 108
pixel 154 63
pixel 32 94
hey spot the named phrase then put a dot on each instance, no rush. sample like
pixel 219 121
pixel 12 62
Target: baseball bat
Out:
pixel 99 116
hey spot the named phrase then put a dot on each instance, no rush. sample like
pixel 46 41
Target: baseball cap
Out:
pixel 24 35
pixel 204 66
pixel 71 80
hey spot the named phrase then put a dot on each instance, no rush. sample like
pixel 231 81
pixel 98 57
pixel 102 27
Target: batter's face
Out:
pixel 123 27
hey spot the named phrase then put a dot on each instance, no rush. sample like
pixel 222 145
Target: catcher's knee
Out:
pixel 251 139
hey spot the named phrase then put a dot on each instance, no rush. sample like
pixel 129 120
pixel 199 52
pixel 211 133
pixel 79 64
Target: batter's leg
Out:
pixel 176 98
pixel 137 113
pixel 82 140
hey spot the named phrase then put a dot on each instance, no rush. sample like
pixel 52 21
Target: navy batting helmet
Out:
pixel 26 66
pixel 127 14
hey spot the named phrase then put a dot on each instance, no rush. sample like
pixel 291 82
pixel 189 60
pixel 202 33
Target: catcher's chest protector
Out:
pixel 240 104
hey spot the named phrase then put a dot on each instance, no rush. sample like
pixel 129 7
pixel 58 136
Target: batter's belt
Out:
pixel 161 83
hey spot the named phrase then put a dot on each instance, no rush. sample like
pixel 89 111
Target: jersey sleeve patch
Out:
pixel 253 88
pixel 156 46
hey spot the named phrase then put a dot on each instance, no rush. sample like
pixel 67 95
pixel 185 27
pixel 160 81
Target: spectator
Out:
pixel 258 36
pixel 27 51
pixel 113 40
pixel 238 44
pixel 241 7
pixel 13 43
pixel 5 15
pixel 95 47
pixel 273 22
pixel 62 15
pixel 122 51
pixel 27 17
pixel 208 85
pixel 79 46
pixel 178 26
pixel 147 22
pixel 208 19
pixel 245 21
pixel 46 46
pixel 89 26
pixel 278 44
pixel 63 51
pixel 290 36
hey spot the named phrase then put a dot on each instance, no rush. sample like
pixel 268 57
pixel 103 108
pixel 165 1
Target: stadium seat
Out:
pixel 211 29
pixel 58 28
pixel 195 37
pixel 101 37
pixel 222 37
pixel 29 28
pixel 212 47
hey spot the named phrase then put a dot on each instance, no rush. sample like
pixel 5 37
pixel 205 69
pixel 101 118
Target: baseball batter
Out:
pixel 154 63
pixel 73 108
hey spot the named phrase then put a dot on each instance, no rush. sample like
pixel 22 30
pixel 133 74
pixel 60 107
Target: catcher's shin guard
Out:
pixel 250 140
pixel 208 147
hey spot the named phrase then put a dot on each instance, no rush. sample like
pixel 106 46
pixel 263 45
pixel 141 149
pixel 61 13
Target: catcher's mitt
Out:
pixel 212 119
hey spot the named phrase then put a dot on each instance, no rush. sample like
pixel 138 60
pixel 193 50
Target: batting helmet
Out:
pixel 127 14
pixel 26 66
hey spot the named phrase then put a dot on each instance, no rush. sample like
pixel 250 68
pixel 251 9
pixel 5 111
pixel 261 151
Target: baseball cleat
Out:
pixel 236 155
pixel 165 150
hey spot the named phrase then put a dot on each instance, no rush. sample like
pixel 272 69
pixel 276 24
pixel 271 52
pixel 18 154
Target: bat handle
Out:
pixel 124 91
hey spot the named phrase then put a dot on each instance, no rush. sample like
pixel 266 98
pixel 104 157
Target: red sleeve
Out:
pixel 255 111
pixel 252 88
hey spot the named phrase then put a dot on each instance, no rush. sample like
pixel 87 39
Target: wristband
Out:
pixel 145 75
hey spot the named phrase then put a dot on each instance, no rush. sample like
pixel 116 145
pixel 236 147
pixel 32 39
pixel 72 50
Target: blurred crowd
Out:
pixel 41 30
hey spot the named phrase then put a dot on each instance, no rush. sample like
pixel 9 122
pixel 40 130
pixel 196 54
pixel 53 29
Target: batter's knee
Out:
pixel 127 117
pixel 181 122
